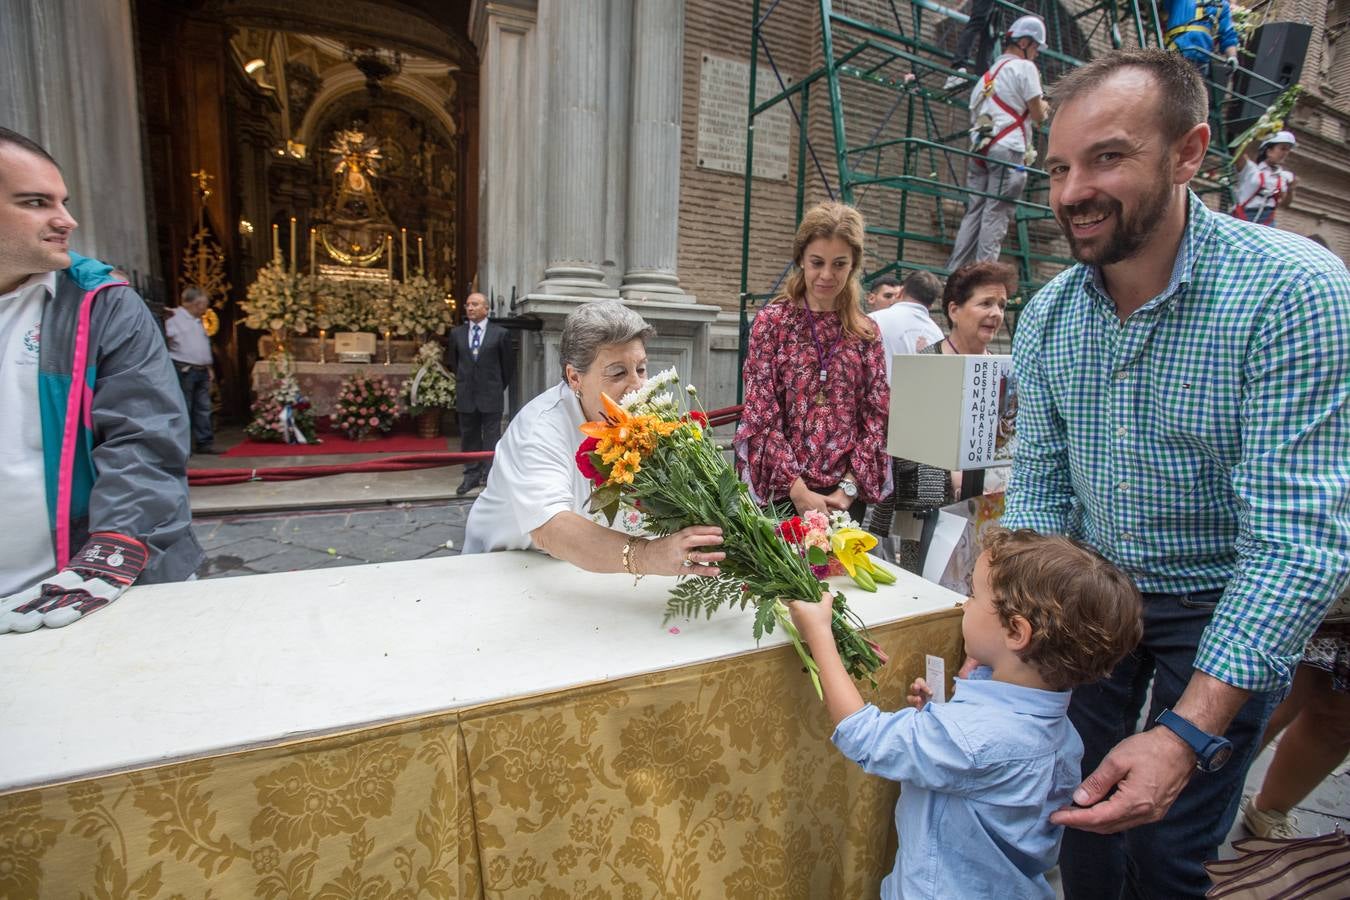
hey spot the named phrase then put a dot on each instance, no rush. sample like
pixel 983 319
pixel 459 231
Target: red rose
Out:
pixel 792 530
pixel 586 465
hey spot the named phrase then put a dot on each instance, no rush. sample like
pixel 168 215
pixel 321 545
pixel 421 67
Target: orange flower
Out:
pixel 625 440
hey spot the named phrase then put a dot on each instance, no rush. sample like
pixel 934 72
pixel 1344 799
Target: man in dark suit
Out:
pixel 484 363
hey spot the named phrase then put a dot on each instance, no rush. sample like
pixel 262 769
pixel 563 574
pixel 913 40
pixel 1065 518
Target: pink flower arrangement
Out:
pixel 365 404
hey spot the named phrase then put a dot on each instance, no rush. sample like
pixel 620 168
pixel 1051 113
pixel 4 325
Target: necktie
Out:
pixel 473 342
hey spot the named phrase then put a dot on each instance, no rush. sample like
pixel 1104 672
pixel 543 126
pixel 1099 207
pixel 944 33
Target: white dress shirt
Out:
pixel 906 327
pixel 26 553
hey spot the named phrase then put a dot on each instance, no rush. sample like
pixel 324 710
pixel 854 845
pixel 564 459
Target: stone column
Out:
pixel 69 73
pixel 510 178
pixel 575 148
pixel 653 205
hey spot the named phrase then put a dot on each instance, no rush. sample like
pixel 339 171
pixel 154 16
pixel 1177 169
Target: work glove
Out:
pixel 105 566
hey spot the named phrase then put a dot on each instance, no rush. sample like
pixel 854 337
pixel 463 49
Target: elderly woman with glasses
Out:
pixel 537 498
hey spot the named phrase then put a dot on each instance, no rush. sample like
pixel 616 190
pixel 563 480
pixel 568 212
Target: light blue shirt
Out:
pixel 980 776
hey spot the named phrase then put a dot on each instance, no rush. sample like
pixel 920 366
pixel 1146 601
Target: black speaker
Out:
pixel 1277 51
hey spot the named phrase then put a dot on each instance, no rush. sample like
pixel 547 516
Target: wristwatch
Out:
pixel 850 488
pixel 1211 753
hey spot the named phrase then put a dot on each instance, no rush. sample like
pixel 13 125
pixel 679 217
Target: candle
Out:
pixel 276 243
pixel 292 245
pixel 389 247
pixel 313 260
pixel 387 333
pixel 322 334
pixel 404 233
pixel 421 268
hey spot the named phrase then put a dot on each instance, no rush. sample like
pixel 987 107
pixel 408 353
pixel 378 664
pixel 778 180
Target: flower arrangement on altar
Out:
pixel 282 415
pixel 279 301
pixel 432 386
pixel 365 405
pixel 649 454
pixel 350 304
pixel 418 309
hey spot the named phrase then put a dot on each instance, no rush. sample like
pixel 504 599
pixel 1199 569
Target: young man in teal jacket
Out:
pixel 96 439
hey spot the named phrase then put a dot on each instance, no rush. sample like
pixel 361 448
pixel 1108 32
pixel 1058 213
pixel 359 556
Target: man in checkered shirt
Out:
pixel 1183 408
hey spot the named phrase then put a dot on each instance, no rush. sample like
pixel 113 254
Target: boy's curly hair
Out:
pixel 1085 614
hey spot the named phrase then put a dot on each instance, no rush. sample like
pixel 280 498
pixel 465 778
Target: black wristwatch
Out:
pixel 1211 753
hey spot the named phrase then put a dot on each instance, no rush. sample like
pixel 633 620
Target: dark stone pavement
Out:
pixel 287 542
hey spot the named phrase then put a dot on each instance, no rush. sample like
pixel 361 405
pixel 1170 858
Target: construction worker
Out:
pixel 1193 28
pixel 1001 103
pixel 1263 186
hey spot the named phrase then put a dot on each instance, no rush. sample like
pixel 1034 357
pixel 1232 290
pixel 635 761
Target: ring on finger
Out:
pixel 689 559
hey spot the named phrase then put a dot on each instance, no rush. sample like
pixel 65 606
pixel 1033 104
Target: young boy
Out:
pixel 982 773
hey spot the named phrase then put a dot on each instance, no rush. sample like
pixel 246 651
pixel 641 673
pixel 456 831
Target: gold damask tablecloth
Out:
pixel 710 780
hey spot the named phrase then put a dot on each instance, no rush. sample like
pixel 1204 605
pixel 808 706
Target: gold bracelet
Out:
pixel 629 562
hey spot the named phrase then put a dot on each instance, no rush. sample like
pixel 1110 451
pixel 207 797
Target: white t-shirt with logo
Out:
pixel 26 554
pixel 1017 83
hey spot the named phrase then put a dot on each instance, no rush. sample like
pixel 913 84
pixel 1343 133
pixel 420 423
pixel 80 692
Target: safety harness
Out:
pixel 987 92
pixel 1206 20
pixel 1273 201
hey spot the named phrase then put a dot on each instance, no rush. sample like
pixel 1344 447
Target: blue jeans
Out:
pixel 196 384
pixel 1164 859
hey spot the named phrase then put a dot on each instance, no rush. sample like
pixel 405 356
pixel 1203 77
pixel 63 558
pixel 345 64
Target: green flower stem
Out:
pixel 812 669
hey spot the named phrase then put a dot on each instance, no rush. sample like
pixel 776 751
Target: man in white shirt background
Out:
pixel 190 350
pixel 905 323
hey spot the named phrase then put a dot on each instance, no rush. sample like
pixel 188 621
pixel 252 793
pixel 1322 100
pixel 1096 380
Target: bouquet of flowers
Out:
pixel 833 545
pixel 419 308
pixel 365 404
pixel 432 386
pixel 279 300
pixel 1271 121
pixel 649 454
pixel 350 304
pixel 283 415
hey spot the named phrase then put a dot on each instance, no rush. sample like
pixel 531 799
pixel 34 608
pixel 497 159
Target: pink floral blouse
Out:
pixel 794 424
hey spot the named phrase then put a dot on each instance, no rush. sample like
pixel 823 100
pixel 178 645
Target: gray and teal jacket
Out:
pixel 114 425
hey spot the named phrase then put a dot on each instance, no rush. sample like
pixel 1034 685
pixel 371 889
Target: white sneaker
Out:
pixel 955 81
pixel 1268 823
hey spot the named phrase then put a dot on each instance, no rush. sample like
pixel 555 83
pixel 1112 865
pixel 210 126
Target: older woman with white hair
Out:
pixel 537 498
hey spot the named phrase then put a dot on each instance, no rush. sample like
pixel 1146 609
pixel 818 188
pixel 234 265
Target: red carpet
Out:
pixel 396 442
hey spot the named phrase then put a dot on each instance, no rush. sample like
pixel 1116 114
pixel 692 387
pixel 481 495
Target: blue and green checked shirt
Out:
pixel 1205 442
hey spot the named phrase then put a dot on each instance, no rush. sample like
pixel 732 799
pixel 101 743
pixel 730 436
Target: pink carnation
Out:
pixel 374 421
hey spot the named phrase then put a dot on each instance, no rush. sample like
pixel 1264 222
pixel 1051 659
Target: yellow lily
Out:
pixel 850 546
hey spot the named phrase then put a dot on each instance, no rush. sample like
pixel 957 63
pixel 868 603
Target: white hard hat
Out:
pixel 1280 137
pixel 1028 26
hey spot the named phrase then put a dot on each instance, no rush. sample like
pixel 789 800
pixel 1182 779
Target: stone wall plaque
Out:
pixel 722 111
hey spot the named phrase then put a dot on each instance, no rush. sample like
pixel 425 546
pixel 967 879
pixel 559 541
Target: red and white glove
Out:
pixel 96 576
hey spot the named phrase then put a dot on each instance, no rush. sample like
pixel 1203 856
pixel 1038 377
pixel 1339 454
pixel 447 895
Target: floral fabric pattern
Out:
pixel 795 425
pixel 714 780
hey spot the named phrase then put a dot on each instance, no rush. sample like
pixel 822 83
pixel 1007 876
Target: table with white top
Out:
pixel 492 725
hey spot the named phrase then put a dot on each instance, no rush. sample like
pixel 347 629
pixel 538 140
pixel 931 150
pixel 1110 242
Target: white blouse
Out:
pixel 534 477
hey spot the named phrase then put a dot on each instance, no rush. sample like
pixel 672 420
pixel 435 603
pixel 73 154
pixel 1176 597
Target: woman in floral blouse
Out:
pixel 813 430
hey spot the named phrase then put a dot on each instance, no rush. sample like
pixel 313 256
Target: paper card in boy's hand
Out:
pixel 936 677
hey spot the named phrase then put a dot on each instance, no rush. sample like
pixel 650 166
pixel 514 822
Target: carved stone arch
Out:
pixel 339 85
pixel 435 28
